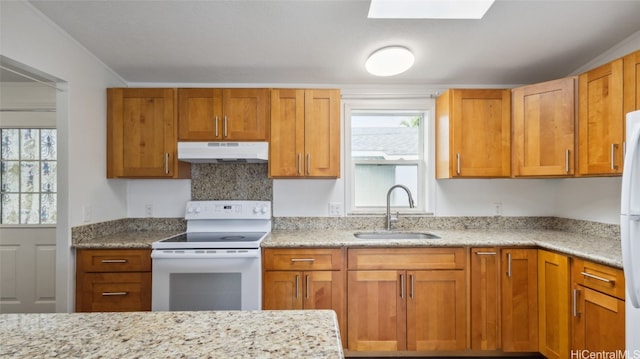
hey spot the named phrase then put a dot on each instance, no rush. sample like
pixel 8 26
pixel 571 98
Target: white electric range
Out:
pixel 216 263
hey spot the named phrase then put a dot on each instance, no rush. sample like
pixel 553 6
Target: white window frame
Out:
pixel 426 167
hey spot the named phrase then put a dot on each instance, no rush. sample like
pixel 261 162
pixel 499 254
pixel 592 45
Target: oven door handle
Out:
pixel 204 253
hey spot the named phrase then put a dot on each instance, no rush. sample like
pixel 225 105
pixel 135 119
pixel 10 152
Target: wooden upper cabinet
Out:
pixel 305 133
pixel 601 120
pixel 142 135
pixel 631 65
pixel 544 129
pixel 223 114
pixel 473 133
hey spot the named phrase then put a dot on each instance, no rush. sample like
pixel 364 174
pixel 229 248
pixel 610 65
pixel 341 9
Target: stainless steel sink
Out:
pixel 395 235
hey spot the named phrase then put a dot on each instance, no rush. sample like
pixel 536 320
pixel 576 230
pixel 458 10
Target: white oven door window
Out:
pixel 206 284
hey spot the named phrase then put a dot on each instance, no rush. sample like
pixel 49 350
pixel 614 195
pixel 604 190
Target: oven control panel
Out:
pixel 228 210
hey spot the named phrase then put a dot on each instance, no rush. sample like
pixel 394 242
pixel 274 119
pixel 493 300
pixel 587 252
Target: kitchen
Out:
pixel 115 199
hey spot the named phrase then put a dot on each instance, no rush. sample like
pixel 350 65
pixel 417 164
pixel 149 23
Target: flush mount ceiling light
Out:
pixel 428 9
pixel 389 61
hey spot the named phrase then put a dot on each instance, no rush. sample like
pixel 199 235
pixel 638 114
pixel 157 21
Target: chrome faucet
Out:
pixel 411 205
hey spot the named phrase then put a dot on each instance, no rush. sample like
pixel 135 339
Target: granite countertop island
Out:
pixel 220 334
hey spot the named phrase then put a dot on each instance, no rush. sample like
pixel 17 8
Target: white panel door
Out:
pixel 27 270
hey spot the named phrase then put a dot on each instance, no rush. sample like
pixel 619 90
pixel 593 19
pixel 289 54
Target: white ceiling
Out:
pixel 328 41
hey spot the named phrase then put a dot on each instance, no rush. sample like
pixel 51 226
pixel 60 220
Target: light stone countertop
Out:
pixel 233 334
pixel 603 250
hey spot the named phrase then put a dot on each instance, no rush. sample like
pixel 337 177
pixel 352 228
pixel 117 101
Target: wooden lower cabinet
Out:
pixel 113 280
pixel 419 306
pixel 519 299
pixel 598 315
pixel 306 278
pixel 554 286
pixel 485 304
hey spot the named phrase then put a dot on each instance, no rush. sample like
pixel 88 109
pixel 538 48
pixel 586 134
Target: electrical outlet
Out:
pixel 87 213
pixel 148 210
pixel 335 209
pixel 497 208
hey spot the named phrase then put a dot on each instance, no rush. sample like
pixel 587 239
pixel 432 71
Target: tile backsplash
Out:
pixel 231 181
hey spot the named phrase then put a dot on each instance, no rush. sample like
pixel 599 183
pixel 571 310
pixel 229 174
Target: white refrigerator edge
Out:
pixel 630 232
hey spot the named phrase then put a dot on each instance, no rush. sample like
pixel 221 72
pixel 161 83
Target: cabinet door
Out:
pixel 554 286
pixel 598 321
pixel 632 82
pixel 601 120
pixel 519 300
pixel 485 303
pixel 200 114
pixel 473 133
pixel 326 290
pixel 286 147
pixel 141 133
pixel 283 290
pixel 376 317
pixel 322 133
pixel 245 114
pixel 114 292
pixel 436 315
pixel 543 129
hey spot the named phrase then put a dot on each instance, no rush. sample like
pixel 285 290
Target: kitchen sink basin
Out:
pixel 395 235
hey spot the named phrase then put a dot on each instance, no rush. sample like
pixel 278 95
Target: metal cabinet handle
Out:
pixel 297 285
pixel 402 286
pixel 303 260
pixel 166 163
pixel 576 292
pixel 308 164
pixel 412 289
pixel 566 161
pixel 458 163
pixel 113 294
pixel 216 127
pixel 509 265
pixel 113 261
pixel 299 164
pixel 224 127
pixel 306 279
pixel 486 253
pixel 592 276
pixel 613 156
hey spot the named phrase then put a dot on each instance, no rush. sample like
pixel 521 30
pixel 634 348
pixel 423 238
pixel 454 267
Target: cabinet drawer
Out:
pixel 115 292
pixel 303 259
pixel 114 260
pixel 599 277
pixel 406 258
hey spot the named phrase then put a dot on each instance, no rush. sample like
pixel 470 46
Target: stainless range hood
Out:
pixel 222 152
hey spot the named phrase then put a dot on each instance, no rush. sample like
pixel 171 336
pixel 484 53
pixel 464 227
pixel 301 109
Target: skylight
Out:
pixel 428 9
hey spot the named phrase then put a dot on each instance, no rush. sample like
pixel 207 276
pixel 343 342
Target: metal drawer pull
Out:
pixel 166 163
pixel 113 294
pixel 307 285
pixel 224 127
pixel 216 127
pixel 308 164
pixel 458 163
pixel 402 286
pixel 297 285
pixel 299 164
pixel 566 161
pixel 508 264
pixel 613 156
pixel 589 275
pixel 113 261
pixel 486 253
pixel 303 259
pixel 576 292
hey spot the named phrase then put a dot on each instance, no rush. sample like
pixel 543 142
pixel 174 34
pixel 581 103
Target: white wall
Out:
pixel 27 37
pixel 167 198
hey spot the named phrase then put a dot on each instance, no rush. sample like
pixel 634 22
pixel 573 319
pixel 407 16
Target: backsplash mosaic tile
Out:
pixel 231 181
